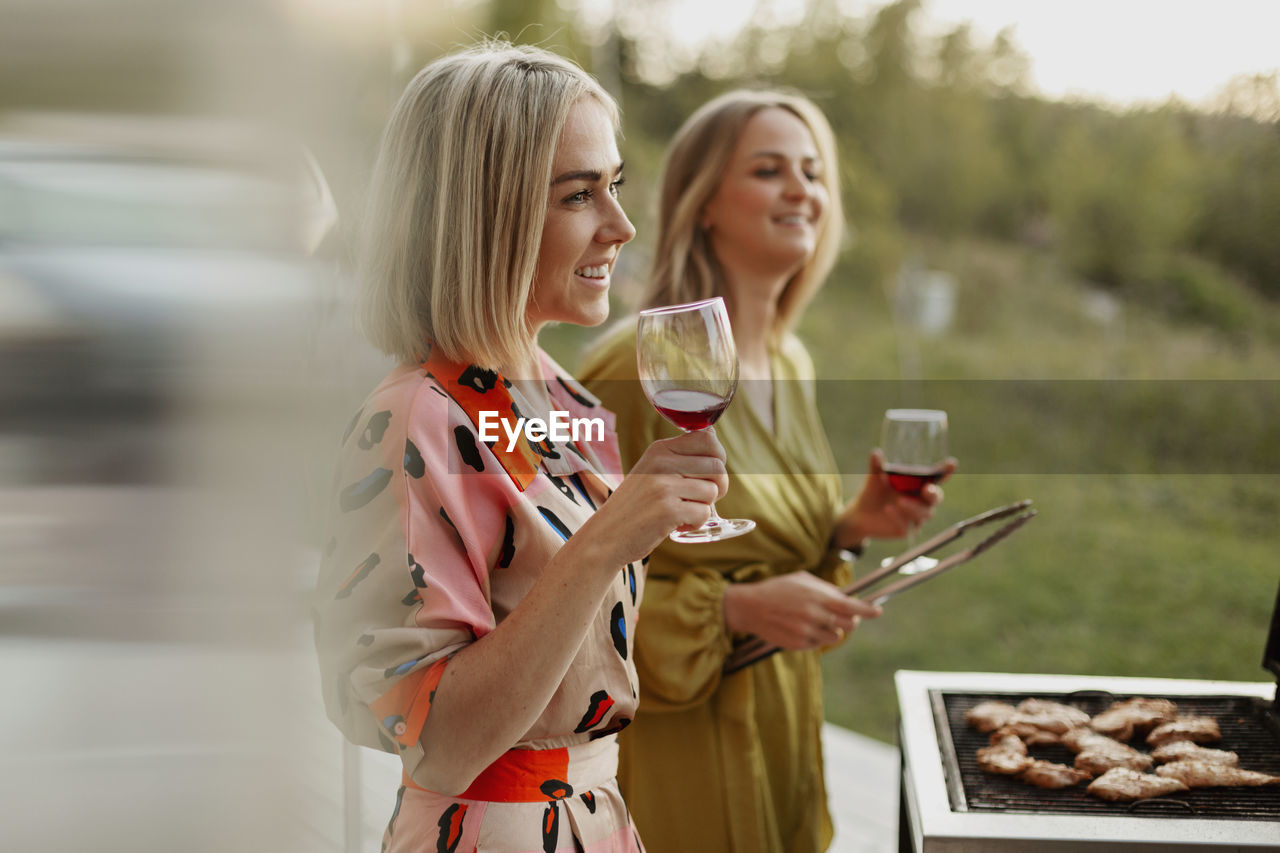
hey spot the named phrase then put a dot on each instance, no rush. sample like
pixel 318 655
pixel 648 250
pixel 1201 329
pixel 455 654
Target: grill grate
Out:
pixel 1245 730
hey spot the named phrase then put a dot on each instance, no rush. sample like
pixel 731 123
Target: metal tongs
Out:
pixel 756 649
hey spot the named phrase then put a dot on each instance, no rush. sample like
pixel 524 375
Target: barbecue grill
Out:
pixel 949 805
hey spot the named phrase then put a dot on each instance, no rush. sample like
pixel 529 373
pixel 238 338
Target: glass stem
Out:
pixel 714 520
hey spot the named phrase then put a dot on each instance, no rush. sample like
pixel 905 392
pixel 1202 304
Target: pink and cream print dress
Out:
pixel 436 537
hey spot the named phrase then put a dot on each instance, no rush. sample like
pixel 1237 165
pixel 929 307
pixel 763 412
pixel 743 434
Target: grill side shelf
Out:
pixel 947 749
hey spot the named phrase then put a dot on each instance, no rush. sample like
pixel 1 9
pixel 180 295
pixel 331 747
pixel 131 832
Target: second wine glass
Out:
pixel 688 366
pixel 914 442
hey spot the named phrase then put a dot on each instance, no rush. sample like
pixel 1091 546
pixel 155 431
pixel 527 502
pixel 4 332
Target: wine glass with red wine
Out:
pixel 914 442
pixel 689 371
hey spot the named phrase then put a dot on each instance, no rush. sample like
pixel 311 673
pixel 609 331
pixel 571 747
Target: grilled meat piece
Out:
pixel 989 716
pixel 1031 735
pixel 1120 784
pixel 1097 753
pixel 1081 739
pixel 1007 738
pixel 1031 719
pixel 1122 720
pixel 1097 762
pixel 1185 750
pixel 1197 729
pixel 1064 717
pixel 1047 774
pixel 1103 752
pixel 1207 774
pixel 1002 762
pixel 1056 723
pixel 1007 755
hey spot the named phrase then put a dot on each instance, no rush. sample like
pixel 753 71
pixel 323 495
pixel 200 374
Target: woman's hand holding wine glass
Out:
pixel 672 484
pixel 880 511
pixel 688 367
pixel 914 447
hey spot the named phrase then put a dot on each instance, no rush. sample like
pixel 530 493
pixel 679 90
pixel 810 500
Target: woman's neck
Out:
pixel 528 367
pixel 527 378
pixel 753 311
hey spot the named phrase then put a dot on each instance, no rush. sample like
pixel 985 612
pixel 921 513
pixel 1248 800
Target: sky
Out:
pixel 1121 51
pixel 1086 47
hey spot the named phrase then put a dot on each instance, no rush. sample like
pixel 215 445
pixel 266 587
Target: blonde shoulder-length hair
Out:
pixel 458 202
pixel 685 267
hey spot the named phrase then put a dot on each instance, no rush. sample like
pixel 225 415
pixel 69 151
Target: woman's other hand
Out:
pixel 797 610
pixel 881 512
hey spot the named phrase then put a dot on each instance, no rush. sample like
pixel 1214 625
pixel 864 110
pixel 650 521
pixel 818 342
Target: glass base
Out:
pixel 915 567
pixel 715 530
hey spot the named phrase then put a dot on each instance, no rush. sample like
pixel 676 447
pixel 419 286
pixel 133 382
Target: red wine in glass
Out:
pixel 689 410
pixel 911 479
pixel 688 365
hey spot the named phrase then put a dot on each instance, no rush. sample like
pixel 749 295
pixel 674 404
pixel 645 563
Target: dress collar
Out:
pixel 476 389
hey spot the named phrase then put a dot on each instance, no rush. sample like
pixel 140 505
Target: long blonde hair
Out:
pixel 458 203
pixel 685 268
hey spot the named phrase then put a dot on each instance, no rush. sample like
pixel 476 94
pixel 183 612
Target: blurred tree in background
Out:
pixel 942 137
pixel 940 134
pixel 1122 189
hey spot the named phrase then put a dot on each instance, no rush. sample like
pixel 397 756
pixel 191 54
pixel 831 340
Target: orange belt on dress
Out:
pixel 542 775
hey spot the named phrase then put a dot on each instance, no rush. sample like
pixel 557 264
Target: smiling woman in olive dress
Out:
pixel 749 210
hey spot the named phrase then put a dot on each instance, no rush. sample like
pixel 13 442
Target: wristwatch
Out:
pixel 852 553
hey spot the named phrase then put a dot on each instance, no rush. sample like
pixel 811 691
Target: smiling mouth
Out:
pixel 793 219
pixel 598 272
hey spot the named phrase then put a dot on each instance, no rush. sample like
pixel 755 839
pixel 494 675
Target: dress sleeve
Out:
pixel 403 583
pixel 681 640
pixel 834 569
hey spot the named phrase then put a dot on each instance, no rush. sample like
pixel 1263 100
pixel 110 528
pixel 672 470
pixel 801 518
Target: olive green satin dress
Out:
pixel 713 762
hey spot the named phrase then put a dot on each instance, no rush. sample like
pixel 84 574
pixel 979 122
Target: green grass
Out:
pixel 1154 553
pixel 1118 575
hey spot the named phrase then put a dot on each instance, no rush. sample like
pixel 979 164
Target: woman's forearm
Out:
pixel 494 690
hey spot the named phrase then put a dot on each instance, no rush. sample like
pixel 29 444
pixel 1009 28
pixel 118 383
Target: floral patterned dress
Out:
pixel 436 537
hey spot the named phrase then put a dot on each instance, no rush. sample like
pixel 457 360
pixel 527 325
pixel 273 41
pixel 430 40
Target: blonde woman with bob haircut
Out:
pixel 749 209
pixel 478 596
